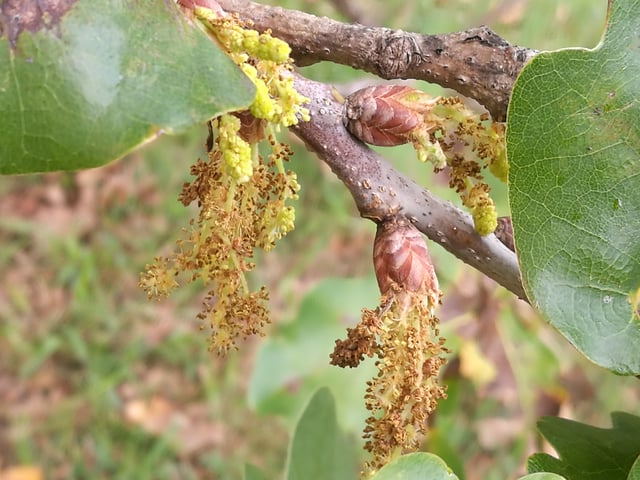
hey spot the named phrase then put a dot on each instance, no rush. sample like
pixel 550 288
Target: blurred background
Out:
pixel 97 382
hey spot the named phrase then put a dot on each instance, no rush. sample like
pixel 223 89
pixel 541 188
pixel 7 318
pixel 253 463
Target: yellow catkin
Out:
pixel 244 199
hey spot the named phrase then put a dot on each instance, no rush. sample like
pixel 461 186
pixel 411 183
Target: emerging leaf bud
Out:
pixel 251 128
pixel 400 257
pixel 504 232
pixel 379 116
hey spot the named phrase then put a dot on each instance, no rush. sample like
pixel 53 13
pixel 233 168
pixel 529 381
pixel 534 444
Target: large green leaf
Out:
pixel 83 86
pixel 587 452
pixel 634 474
pixel 573 142
pixel 319 450
pixel 416 466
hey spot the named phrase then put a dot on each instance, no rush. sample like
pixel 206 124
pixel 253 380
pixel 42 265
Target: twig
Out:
pixel 380 191
pixel 476 63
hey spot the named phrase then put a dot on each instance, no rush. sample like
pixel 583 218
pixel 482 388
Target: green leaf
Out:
pixel 573 142
pixel 294 361
pixel 634 474
pixel 587 452
pixel 86 85
pixel 444 442
pixel 416 466
pixel 542 476
pixel 253 473
pixel 318 449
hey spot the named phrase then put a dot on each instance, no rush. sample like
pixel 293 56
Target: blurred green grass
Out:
pixel 97 382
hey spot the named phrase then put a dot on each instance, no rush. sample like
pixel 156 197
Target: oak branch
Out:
pixel 476 63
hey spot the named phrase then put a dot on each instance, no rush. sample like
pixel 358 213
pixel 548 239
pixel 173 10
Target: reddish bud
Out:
pixel 251 128
pixel 377 115
pixel 504 232
pixel 400 256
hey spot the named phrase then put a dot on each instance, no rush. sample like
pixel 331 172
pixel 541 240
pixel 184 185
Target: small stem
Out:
pixel 238 267
pixel 271 133
pixel 231 193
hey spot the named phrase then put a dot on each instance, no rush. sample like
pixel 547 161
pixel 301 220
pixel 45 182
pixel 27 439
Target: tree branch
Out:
pixel 476 63
pixel 380 191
